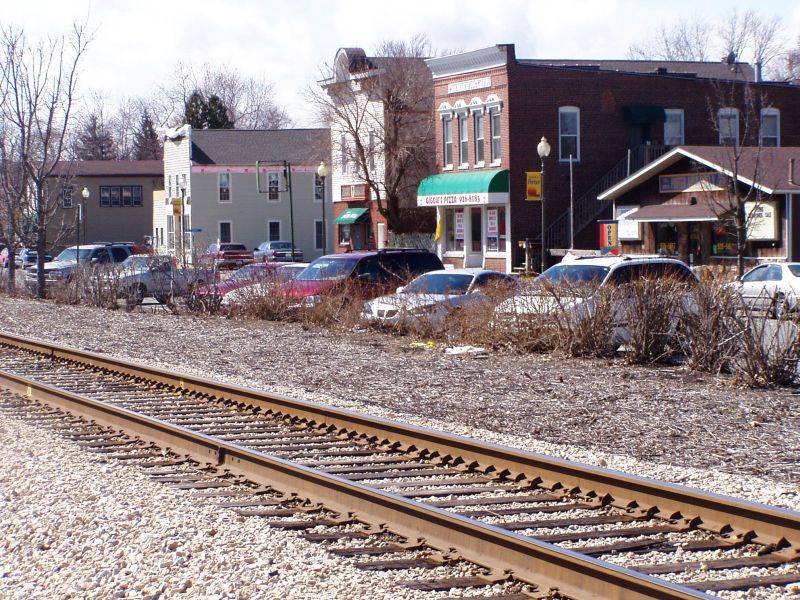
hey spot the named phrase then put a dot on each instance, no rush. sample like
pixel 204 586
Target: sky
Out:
pixel 137 44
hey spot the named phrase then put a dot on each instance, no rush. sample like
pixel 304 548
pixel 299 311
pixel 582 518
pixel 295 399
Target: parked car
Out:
pixel 146 275
pixel 277 251
pixel 212 294
pixel 772 287
pixel 272 284
pixel 227 256
pixel 367 273
pixel 432 297
pixel 27 257
pixel 570 287
pixel 63 267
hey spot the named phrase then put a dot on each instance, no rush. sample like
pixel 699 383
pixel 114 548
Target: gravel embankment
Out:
pixel 658 422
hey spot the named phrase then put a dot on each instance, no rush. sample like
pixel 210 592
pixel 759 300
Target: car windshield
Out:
pixel 572 273
pixel 328 269
pixel 247 273
pixel 136 262
pixel 71 254
pixel 440 283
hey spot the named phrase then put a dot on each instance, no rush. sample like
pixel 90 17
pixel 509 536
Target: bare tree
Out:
pixel 686 40
pixel 380 111
pixel 250 101
pixel 38 82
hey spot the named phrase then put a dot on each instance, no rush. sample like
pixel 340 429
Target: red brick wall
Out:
pixel 375 216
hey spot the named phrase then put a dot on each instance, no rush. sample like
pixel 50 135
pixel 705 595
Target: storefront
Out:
pixel 472 216
pixel 354 229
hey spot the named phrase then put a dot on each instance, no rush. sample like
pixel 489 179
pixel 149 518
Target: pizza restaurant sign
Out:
pixel 462 199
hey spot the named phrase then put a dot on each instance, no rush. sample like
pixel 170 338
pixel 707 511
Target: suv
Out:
pixel 62 268
pixel 375 272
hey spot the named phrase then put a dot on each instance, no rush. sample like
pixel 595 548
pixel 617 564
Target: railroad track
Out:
pixel 394 496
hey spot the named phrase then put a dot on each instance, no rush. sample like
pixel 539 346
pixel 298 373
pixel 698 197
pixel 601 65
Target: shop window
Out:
pixel 673 127
pixel 494 116
pixel 569 133
pixel 344 234
pixel 770 127
pixel 496 229
pixel 724 239
pixel 224 187
pixel 479 139
pixel 369 234
pixel 454 229
pixel 448 142
pixel 225 233
pixel 728 125
pixel 274 230
pixel 667 239
pixel 463 142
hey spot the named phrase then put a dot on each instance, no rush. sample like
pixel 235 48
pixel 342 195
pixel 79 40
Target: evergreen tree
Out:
pixel 207 114
pixel 195 111
pixel 146 143
pixel 95 142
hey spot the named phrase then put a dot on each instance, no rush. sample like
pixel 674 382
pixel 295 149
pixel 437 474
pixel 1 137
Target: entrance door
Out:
pixel 357 229
pixel 475 250
pixel 640 133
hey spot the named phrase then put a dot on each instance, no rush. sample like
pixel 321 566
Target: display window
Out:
pixel 454 229
pixel 496 238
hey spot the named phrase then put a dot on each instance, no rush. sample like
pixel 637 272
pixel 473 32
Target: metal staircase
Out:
pixel 588 207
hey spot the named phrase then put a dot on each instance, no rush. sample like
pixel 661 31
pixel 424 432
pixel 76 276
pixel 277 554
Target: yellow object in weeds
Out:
pixel 423 344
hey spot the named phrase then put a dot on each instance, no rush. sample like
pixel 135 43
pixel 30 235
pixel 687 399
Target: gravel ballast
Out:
pixel 659 422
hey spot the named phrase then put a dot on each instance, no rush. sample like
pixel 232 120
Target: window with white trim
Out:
pixel 225 232
pixel 273 187
pixel 372 150
pixel 463 141
pixel 224 186
pixel 569 133
pixel 344 234
pixel 479 138
pixel 770 132
pixel 67 196
pixel 494 118
pixel 169 186
pixel 274 231
pixel 448 141
pixel 343 146
pixel 319 235
pixel 728 122
pixel 673 127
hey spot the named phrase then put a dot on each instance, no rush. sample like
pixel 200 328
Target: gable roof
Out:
pixel 110 168
pixel 767 169
pixel 706 70
pixel 246 146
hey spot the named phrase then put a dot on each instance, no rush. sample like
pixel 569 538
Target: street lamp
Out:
pixel 544 151
pixel 322 172
pixel 81 216
pixel 183 233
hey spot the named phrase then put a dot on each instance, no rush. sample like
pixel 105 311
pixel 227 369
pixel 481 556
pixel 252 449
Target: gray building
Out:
pixel 212 191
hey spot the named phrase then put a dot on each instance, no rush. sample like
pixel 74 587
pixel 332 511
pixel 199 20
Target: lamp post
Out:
pixel 183 233
pixel 544 151
pixel 81 216
pixel 322 172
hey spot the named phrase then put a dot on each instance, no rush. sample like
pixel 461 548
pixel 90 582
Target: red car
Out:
pixel 247 275
pixel 227 256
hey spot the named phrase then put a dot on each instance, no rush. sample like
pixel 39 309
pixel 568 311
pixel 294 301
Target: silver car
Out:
pixel 772 287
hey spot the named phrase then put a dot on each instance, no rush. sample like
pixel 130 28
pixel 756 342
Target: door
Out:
pixel 640 133
pixel 752 287
pixel 357 230
pixel 475 249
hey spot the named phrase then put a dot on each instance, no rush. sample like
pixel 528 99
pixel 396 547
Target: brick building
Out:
pixel 613 117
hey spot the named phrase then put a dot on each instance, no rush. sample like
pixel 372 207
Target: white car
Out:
pixel 773 287
pixel 569 287
pixel 431 297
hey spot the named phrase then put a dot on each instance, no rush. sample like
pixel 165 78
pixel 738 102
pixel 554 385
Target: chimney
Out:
pixel 758 71
pixel 791 172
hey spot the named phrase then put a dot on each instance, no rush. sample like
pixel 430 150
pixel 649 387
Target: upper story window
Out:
pixel 569 133
pixel 673 127
pixel 371 150
pixel 343 148
pixel 448 141
pixel 67 196
pixel 224 187
pixel 273 187
pixel 728 124
pixel 479 138
pixel 494 118
pixel 463 141
pixel 120 195
pixel 319 192
pixel 770 133
pixel 169 186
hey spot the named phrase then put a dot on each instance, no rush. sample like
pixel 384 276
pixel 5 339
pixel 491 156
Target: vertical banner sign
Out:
pixel 491 222
pixel 534 186
pixel 609 240
pixel 460 225
pixel 176 207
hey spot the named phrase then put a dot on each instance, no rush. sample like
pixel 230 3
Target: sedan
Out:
pixel 772 287
pixel 268 285
pixel 268 251
pixel 431 297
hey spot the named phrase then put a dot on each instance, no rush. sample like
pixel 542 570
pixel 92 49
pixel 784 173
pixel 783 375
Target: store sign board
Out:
pixel 628 230
pixel 463 199
pixel 762 221
pixel 609 239
pixel 468 86
pixel 670 184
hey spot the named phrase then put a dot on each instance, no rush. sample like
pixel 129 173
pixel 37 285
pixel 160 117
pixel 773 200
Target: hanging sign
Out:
pixel 534 186
pixel 609 242
pixel 460 225
pixel 176 207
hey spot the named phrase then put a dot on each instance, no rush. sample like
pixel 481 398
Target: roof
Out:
pixel 666 213
pixel 110 168
pixel 705 70
pixel 246 146
pixel 768 169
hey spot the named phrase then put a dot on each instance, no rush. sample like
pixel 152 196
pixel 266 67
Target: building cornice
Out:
pixel 468 62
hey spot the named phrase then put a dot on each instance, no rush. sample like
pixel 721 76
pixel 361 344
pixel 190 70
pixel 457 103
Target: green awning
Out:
pixel 644 114
pixel 474 182
pixel 352 216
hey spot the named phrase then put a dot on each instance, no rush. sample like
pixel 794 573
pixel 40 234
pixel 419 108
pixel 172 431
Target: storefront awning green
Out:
pixel 476 187
pixel 352 216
